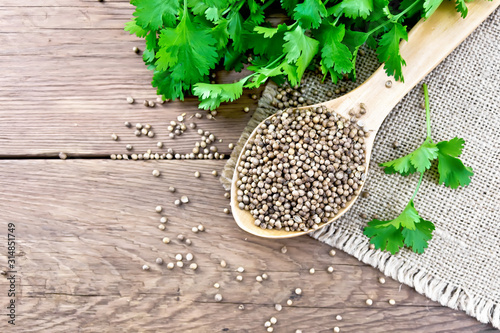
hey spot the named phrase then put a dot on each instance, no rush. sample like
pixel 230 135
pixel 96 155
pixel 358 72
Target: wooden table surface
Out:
pixel 85 226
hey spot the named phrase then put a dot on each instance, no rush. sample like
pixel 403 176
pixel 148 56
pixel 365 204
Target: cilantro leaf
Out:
pixel 384 236
pixel 418 238
pixel 418 160
pixel 149 51
pixel 452 172
pixel 212 95
pixel 135 29
pixel 388 51
pixel 334 54
pixel 299 49
pixel 430 6
pixel 353 8
pixel 267 32
pixel 310 13
pixel 461 7
pixel 188 51
pixel 153 14
pixel 408 217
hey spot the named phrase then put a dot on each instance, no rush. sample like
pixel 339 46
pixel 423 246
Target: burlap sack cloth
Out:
pixel 461 266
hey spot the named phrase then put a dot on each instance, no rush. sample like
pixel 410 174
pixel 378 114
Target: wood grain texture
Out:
pixel 84 229
pixel 67 69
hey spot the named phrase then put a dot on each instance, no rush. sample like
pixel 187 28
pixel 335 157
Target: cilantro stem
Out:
pixel 427 112
pixel 418 185
pixel 267 4
pixel 394 18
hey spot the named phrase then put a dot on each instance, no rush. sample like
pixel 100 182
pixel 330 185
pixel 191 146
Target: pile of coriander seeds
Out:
pixel 301 168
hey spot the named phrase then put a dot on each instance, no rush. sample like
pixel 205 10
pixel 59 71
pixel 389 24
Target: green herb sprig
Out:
pixel 187 39
pixel 409 228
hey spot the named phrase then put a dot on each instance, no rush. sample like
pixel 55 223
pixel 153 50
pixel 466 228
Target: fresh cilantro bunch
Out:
pixel 187 39
pixel 409 228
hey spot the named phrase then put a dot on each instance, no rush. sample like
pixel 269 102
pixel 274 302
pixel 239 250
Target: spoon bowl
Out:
pixel 430 41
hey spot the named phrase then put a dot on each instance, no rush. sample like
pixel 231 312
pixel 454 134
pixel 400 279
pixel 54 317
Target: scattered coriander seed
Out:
pixel 129 147
pixel 332 253
pixel 267 324
pixel 215 173
pixel 216 285
pixel 241 307
pixel 170 265
pixel 227 195
pixel 63 156
pixel 284 250
pixel 151 104
pixel 273 320
pixel 258 278
pixel 298 331
pixel 159 100
pixel 163 219
pixel 270 329
pixel 369 301
pixel 177 202
pixel 197 174
pixel 178 257
pixel 114 137
pixel 180 264
pixel 189 256
pixel 381 280
pixel 372 246
pixel 171 189
pixel 239 278
pixel 194 229
pixel 218 297
pixel 226 210
pixel 137 133
pixel 135 49
pixel 145 267
pixel 254 96
pixel 151 134
pixel 338 317
pixel 209 116
pixel 158 209
pixel 145 103
pixel 278 307
pixel 363 215
pixel 298 291
pixel 223 264
pixel 342 89
pixel 289 302
pixel 240 269
pixel 395 144
pixel 188 241
pixel 265 276
pixel 134 156
pixel 112 156
pixel 180 118
pixel 246 109
pixel 198 115
pixel 365 194
pixel 119 157
pixel 161 226
pixel 193 266
pixel 392 302
pixel 130 100
pixel 231 146
pixel 184 199
pixel 388 84
pixel 166 240
pixel 201 227
pixel 144 131
pixel 312 271
pixel 138 126
pixel 159 144
pixel 180 237
pixel 330 269
pixel 159 261
pixel 336 329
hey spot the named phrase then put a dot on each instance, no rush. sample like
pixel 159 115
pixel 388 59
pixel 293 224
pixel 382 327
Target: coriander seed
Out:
pixel 171 189
pixel 241 307
pixel 145 267
pixel 201 227
pixel 166 240
pixel 170 265
pixel 159 261
pixel 372 246
pixel 226 210
pixel 240 269
pixel 130 100
pixel 289 302
pixel 270 329
pixel 129 147
pixel 194 229
pixel 151 104
pixel 163 219
pixel 63 156
pixel 265 276
pixel 188 241
pixel 223 264
pixel 273 320
pixel 136 50
pixel 258 278
pixel 278 307
pixel 381 280
pixel 215 173
pixel 392 302
pixel 184 199
pixel 216 285
pixel 189 256
pixel 218 297
pixel 193 266
pixel 246 109
pixel 369 301
pixel 159 144
pixel 284 250
pixel 239 278
pixel 388 84
pixel 332 253
pixel 312 271
pixel 231 146
pixel 178 257
pixel 114 137
pixel 161 226
pixel 267 324
pixel 338 317
pixel 197 174
pixel 336 329
pixel 158 209
pixel 177 202
pixel 298 291
pixel 180 264
pixel 329 269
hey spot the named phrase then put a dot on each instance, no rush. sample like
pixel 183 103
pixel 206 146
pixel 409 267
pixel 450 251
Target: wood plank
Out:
pixel 84 228
pixel 66 72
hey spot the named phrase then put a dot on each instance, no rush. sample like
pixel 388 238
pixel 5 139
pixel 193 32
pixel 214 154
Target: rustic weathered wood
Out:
pixel 66 71
pixel 84 228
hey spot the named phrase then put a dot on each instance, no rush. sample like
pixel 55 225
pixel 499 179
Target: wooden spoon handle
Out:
pixel 429 42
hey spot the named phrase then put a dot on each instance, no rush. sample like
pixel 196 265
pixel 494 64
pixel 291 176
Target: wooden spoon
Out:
pixel 429 42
